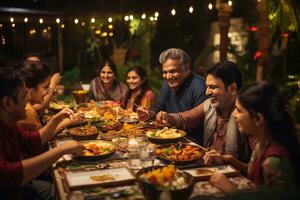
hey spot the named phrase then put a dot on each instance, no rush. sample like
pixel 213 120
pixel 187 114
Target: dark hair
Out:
pixel 111 65
pixel 11 82
pixel 266 99
pixel 144 87
pixel 228 72
pixel 34 73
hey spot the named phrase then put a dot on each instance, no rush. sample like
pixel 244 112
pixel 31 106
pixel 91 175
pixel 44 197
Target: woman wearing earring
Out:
pixel 106 87
pixel 261 111
pixel 139 93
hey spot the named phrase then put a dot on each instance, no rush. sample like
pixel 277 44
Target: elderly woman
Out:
pixel 106 87
pixel 261 111
pixel 139 93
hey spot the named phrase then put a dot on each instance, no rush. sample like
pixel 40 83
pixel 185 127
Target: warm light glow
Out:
pixel 104 34
pixel 111 34
pixel 173 12
pixel 97 32
pixel 41 20
pixel 76 21
pixel 32 31
pixel 131 17
pixel 93 20
pixel 143 16
pixel 1 25
pixel 126 18
pixel 11 19
pixel 258 0
pixel 191 9
pixel 210 6
pixel 82 23
pixel 25 19
pixel 230 3
pixel 109 20
pixel 45 30
pixel 110 26
pixel 49 28
pixel 57 20
pixel 13 25
pixel 62 26
pixel 155 18
pixel 156 14
pixel 151 19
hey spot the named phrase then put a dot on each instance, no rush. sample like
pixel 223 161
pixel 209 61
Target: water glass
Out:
pixel 134 161
pixel 147 155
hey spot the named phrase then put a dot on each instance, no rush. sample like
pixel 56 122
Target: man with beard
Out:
pixel 182 89
pixel 223 80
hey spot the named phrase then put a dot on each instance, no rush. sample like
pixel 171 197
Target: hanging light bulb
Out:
pixel 57 20
pixel 126 18
pixel 76 21
pixel 131 17
pixel 41 20
pixel 11 19
pixel 151 19
pixel 25 19
pixel 156 14
pixel 143 16
pixel 230 3
pixel 93 20
pixel 109 19
pixel 13 25
pixel 173 12
pixel 191 9
pixel 210 6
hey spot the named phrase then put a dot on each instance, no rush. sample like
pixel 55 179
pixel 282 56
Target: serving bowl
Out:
pixel 154 191
pixel 165 135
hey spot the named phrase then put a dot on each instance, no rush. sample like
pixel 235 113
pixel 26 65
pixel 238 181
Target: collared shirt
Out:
pixel 190 94
pixel 13 142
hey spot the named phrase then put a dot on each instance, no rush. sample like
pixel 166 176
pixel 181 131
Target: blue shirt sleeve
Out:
pixel 160 101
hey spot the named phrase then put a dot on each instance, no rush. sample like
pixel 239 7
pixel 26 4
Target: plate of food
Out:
pixel 128 119
pixel 180 153
pixel 87 132
pixel 165 135
pixel 95 150
pixel 57 106
pixel 158 179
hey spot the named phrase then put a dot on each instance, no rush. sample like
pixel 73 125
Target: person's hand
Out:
pixel 72 147
pixel 55 79
pixel 213 157
pixel 65 113
pixel 163 118
pixel 143 113
pixel 221 182
pixel 75 119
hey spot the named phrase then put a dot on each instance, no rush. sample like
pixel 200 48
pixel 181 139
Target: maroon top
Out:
pixel 13 142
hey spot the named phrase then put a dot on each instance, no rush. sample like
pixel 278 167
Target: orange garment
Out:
pixel 147 101
pixel 32 121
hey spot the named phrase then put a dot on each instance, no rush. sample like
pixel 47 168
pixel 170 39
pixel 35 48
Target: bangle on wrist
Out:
pixel 53 90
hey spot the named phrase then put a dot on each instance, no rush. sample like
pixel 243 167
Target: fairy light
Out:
pixel 76 21
pixel 62 26
pixel 143 16
pixel 109 19
pixel 49 28
pixel 230 3
pixel 131 17
pixel 13 25
pixel 191 9
pixel 25 19
pixel 210 6
pixel 111 34
pixel 151 19
pixel 57 20
pixel 45 30
pixel 97 32
pixel 173 12
pixel 110 26
pixel 126 18
pixel 156 14
pixel 93 20
pixel 41 20
pixel 82 23
pixel 32 31
pixel 11 19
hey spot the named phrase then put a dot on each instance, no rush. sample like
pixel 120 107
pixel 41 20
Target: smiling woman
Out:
pixel 139 94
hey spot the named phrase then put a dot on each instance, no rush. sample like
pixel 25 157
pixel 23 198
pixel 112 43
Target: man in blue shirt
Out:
pixel 181 90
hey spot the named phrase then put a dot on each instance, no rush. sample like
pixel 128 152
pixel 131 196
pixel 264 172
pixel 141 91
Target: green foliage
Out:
pixel 71 77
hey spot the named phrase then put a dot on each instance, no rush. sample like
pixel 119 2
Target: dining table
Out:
pixel 76 179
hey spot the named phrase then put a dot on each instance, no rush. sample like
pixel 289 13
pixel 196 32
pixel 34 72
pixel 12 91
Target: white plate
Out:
pixel 80 179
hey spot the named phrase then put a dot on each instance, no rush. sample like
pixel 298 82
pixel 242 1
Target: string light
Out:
pixel 97 32
pixel 25 19
pixel 126 18
pixel 210 6
pixel 110 26
pixel 57 20
pixel 11 19
pixel 230 3
pixel 143 16
pixel 93 20
pixel 109 20
pixel 41 20
pixel 191 9
pixel 76 21
pixel 45 31
pixel 49 28
pixel 156 14
pixel 62 26
pixel 111 34
pixel 1 25
pixel 32 31
pixel 104 34
pixel 82 23
pixel 131 17
pixel 151 19
pixel 13 25
pixel 173 12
